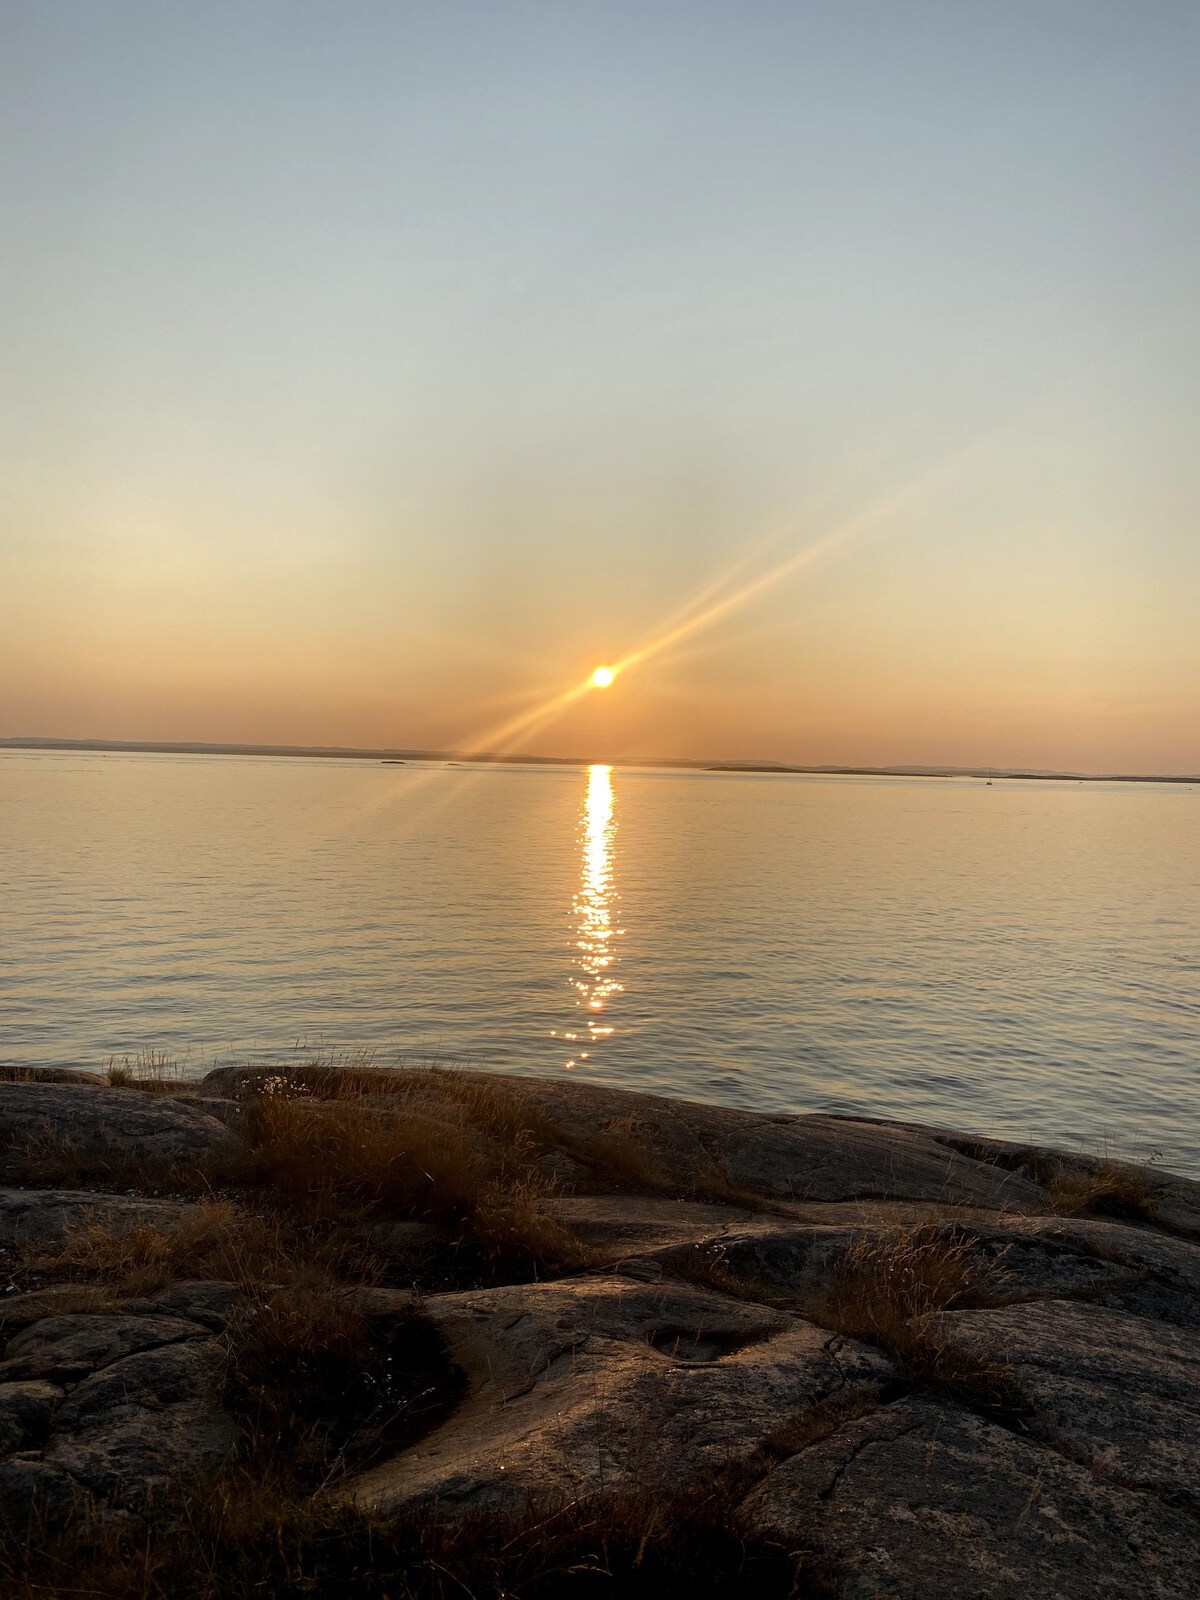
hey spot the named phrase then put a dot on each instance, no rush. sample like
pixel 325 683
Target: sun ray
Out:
pixel 695 616
pixel 887 505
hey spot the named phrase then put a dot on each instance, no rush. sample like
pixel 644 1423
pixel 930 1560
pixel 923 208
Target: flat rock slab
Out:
pixel 1045 1262
pixel 602 1383
pixel 789 1157
pixel 46 1216
pixel 789 1260
pixel 1175 1201
pixel 107 1124
pixel 11 1072
pixel 792 1261
pixel 1142 1247
pixel 1136 1269
pixel 1119 1393
pixel 1016 1258
pixel 625 1225
pixel 787 1264
pixel 924 1499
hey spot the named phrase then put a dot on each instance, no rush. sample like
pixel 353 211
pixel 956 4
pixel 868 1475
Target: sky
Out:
pixel 370 372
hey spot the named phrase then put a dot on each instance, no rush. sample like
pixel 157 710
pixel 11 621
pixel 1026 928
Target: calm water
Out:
pixel 1022 959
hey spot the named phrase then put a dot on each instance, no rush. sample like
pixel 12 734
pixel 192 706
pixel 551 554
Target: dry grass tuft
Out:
pixel 1079 1185
pixel 47 1159
pixel 151 1071
pixel 621 1156
pixel 340 1146
pixel 892 1279
pixel 498 1108
pixel 42 1158
pixel 1102 1189
pixel 887 1289
pixel 314 1388
pixel 353 1152
pixel 214 1240
pixel 250 1539
pixel 407 1162
pixel 293 1344
pixel 320 1172
pixel 511 1223
pixel 334 1076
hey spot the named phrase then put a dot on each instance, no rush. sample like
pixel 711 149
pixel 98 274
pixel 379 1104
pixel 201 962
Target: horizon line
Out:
pixel 490 758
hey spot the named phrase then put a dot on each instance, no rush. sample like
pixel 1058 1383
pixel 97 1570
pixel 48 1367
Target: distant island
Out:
pixel 494 758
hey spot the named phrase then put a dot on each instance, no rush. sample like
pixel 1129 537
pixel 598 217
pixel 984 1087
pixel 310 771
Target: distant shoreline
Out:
pixel 489 758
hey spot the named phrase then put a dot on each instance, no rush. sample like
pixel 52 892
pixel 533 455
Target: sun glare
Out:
pixel 602 677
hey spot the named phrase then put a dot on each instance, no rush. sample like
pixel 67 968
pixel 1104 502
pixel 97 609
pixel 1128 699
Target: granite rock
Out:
pixel 1119 1393
pixel 46 1216
pixel 66 1347
pixel 96 1123
pixel 924 1499
pixel 606 1382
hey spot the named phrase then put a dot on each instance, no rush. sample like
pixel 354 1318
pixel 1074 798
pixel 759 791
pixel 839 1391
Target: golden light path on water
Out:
pixel 595 908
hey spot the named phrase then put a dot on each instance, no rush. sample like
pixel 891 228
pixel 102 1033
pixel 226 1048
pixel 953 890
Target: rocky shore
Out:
pixel 858 1358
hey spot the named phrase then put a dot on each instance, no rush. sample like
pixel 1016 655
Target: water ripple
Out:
pixel 1022 959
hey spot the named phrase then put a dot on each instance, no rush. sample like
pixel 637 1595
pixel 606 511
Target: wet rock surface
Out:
pixel 690 1337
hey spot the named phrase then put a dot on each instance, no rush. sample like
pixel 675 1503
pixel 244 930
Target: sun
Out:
pixel 602 677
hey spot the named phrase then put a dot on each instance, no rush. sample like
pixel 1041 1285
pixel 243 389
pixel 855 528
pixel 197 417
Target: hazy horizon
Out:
pixel 373 374
pixel 34 744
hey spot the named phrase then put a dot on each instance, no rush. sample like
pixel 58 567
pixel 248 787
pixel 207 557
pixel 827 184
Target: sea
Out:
pixel 1019 959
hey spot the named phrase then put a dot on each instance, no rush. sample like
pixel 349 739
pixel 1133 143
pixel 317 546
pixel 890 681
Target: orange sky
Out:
pixel 367 383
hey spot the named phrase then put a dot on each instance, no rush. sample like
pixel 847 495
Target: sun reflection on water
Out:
pixel 595 906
